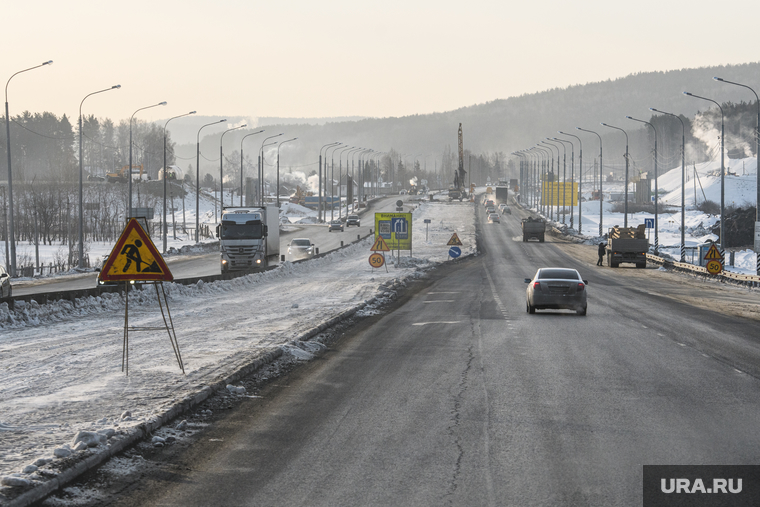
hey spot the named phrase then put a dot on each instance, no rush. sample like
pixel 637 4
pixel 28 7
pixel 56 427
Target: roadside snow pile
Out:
pixel 60 363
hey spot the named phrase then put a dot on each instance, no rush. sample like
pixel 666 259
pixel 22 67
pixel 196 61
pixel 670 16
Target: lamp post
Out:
pixel 81 176
pixel 544 176
pixel 555 177
pixel 757 165
pixel 261 166
pixel 564 177
pixel 656 188
pixel 625 192
pixel 221 167
pixel 332 175
pixel 278 169
pixel 351 153
pixel 539 163
pixel 722 179
pixel 129 171
pixel 580 180
pixel 530 184
pixel 319 211
pixel 332 181
pixel 11 234
pixel 241 163
pixel 362 168
pixel 166 229
pixel 601 194
pixel 198 176
pixel 683 181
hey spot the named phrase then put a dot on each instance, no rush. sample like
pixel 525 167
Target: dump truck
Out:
pixel 627 244
pixel 533 228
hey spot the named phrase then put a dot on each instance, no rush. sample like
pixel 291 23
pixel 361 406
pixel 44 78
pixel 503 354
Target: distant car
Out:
pixel 494 218
pixel 490 210
pixel 489 203
pixel 300 248
pixel 335 225
pixel 556 288
pixel 5 283
pixel 501 206
pixel 353 220
pixel 506 210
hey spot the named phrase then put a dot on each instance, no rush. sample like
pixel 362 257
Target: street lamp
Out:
pixel 11 234
pixel 625 204
pixel 332 180
pixel 683 181
pixel 564 177
pixel 601 194
pixel 221 167
pixel 722 179
pixel 757 165
pixel 656 188
pixel 241 163
pixel 166 229
pixel 340 170
pixel 555 177
pixel 198 177
pixel 542 176
pixel 319 211
pixel 350 152
pixel 261 166
pixel 278 169
pixel 580 181
pixel 129 171
pixel 81 177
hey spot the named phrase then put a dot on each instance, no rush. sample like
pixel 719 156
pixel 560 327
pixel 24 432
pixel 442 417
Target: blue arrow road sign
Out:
pixel 399 226
pixel 455 252
pixel 649 223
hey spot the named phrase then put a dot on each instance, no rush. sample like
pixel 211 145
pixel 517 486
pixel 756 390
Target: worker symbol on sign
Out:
pixel 132 253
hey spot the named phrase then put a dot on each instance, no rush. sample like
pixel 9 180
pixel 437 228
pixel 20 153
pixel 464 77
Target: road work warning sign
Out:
pixel 135 257
pixel 454 241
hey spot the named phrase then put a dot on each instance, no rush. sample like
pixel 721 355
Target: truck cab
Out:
pixel 249 238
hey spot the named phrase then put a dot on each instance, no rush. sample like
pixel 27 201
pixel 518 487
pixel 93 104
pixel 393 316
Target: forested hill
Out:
pixel 505 125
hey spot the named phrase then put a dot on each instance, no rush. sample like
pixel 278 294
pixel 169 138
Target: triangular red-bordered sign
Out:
pixel 380 245
pixel 135 257
pixel 454 241
pixel 713 254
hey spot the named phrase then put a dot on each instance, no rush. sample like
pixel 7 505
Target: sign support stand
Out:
pixel 168 326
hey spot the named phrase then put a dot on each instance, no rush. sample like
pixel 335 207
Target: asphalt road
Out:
pixel 459 397
pixel 186 266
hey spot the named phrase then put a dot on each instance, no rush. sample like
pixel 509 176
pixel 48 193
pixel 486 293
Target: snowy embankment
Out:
pixel 60 364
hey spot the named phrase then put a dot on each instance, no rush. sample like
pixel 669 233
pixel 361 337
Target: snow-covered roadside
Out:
pixel 60 364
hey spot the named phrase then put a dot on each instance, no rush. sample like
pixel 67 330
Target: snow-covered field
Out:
pixel 60 364
pixel 740 191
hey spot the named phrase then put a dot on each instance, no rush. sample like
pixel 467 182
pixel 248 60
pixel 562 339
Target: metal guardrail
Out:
pixel 724 276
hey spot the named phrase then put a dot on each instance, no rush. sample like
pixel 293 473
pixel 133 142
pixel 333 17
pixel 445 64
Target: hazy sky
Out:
pixel 339 58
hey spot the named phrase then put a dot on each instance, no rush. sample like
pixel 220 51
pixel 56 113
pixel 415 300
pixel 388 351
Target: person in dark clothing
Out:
pixel 602 251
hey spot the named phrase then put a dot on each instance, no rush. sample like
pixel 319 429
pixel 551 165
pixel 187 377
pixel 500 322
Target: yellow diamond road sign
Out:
pixel 380 245
pixel 135 257
pixel 454 241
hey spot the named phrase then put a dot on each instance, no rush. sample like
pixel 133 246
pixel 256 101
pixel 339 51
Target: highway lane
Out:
pixel 459 397
pixel 186 266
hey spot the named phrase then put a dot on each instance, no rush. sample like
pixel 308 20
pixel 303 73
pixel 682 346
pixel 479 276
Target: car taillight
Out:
pixel 536 285
pixel 581 287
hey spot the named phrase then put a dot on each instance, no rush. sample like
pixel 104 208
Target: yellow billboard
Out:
pixel 552 193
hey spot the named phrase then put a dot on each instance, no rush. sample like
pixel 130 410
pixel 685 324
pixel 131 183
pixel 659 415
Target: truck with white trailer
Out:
pixel 249 237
